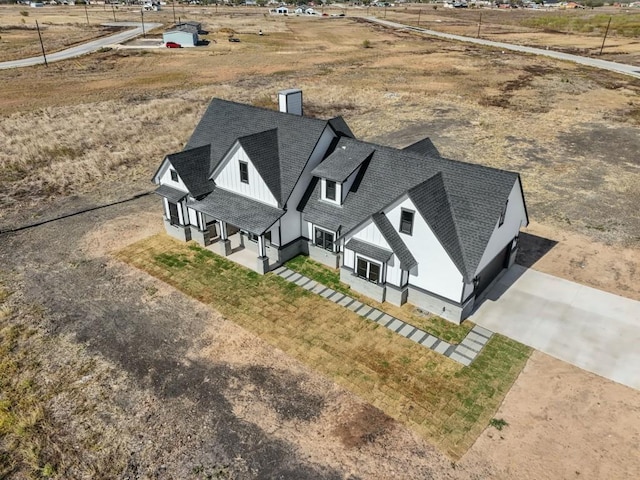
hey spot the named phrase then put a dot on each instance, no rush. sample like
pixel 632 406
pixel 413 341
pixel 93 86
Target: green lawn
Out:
pixel 446 403
pixel 437 326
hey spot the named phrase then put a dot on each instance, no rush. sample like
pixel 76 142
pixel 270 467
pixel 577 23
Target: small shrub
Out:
pixel 498 423
pixel 366 44
pixel 24 13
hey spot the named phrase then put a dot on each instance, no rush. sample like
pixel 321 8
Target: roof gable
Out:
pixel 432 202
pixel 407 261
pixel 262 149
pixel 423 147
pixel 224 122
pixel 193 167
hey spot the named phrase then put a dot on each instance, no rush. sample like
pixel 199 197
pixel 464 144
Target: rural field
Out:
pixel 114 365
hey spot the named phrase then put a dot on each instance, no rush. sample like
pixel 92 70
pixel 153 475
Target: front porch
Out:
pixel 240 247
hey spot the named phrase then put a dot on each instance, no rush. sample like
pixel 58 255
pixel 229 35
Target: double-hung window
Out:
pixel 324 239
pixel 174 175
pixel 244 172
pixel 406 222
pixel 368 270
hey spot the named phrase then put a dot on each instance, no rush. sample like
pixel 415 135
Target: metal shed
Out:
pixel 185 35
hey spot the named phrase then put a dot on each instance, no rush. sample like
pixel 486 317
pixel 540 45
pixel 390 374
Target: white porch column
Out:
pixel 262 251
pixel 165 202
pixel 223 230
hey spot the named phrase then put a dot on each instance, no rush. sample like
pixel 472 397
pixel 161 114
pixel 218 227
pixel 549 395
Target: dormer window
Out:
pixel 174 175
pixel 330 190
pixel 244 172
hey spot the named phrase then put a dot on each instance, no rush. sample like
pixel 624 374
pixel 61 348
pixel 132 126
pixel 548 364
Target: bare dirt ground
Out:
pixel 150 383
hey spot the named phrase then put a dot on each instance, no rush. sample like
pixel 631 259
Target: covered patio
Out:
pixel 242 227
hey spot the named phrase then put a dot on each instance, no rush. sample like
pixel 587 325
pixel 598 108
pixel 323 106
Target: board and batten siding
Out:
pixel 435 271
pixel 292 223
pixel 227 176
pixel 164 177
pixel 514 219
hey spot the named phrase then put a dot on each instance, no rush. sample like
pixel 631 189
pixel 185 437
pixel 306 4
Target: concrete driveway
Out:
pixel 594 330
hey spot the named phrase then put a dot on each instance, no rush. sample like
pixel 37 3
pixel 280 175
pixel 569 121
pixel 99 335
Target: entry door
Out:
pixel 174 218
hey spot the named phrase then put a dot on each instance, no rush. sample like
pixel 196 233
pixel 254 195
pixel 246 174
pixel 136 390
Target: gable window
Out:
pixel 244 172
pixel 330 190
pixel 406 222
pixel 174 175
pixel 368 270
pixel 324 239
pixel 503 214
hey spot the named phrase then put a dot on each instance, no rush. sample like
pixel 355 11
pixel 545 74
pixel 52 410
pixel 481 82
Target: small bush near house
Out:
pixel 498 423
pixel 24 13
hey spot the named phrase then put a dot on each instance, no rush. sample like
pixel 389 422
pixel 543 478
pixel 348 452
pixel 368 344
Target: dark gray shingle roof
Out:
pixel 407 262
pixel 193 167
pixel 476 195
pixel 244 213
pixel 262 149
pixel 342 162
pixel 341 127
pixel 224 122
pixel 369 250
pixel 172 194
pixel 423 147
pixel 432 202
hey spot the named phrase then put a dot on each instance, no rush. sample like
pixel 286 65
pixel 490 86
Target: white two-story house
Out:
pixel 401 225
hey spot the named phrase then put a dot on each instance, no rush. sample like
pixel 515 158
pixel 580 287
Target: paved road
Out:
pixel 591 62
pixel 88 47
pixel 589 328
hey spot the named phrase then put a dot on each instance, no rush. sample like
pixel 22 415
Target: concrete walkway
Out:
pixel 591 62
pixel 89 47
pixel 465 352
pixel 594 330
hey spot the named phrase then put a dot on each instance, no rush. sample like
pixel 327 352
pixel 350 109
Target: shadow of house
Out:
pixel 533 248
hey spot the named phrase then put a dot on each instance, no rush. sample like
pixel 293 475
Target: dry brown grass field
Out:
pixel 88 345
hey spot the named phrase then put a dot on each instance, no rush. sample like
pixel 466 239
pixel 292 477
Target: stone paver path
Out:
pixel 465 352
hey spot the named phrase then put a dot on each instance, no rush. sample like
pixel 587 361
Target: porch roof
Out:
pixel 244 213
pixel 369 250
pixel 172 194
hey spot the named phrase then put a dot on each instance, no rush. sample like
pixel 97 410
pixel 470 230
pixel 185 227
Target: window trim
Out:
pixel 369 263
pixel 413 217
pixel 503 214
pixel 324 233
pixel 244 174
pixel 174 175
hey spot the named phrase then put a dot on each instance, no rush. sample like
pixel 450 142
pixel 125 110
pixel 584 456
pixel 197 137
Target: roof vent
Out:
pixel 290 101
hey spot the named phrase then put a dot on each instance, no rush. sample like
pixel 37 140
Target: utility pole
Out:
pixel 114 12
pixel 86 13
pixel 605 35
pixel 479 25
pixel 173 4
pixel 142 15
pixel 42 45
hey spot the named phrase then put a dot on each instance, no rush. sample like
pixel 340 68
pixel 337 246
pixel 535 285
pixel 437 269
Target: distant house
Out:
pixel 190 23
pixel 36 4
pixel 282 10
pixel 402 225
pixel 304 10
pixel 185 35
